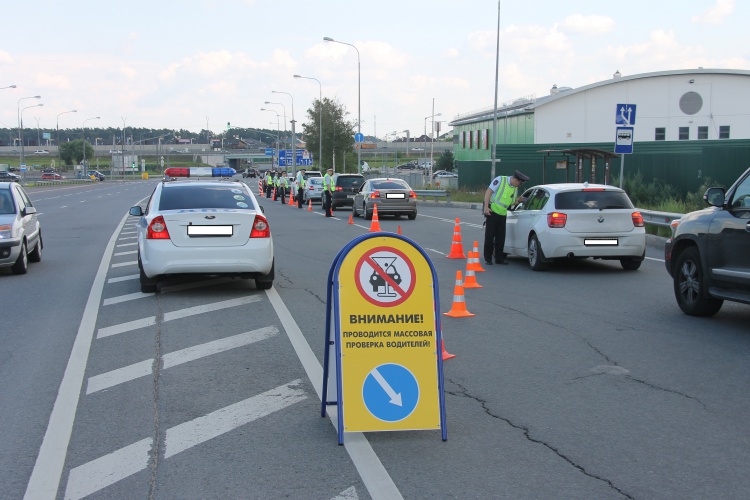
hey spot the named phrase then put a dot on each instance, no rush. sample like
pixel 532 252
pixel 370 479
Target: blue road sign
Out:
pixel 270 151
pixel 390 392
pixel 625 114
pixel 624 140
pixel 359 137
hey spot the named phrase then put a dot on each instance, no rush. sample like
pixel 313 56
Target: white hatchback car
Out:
pixel 20 231
pixel 211 227
pixel 559 221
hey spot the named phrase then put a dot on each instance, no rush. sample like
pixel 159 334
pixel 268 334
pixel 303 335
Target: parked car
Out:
pixel 392 196
pixel 9 176
pixel 96 174
pixel 345 186
pixel 314 190
pixel 575 221
pixel 41 152
pixel 249 172
pixel 20 230
pixel 52 176
pixel 407 166
pixel 203 226
pixel 442 174
pixel 707 255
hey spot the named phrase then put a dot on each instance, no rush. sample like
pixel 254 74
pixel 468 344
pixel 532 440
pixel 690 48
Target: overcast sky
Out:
pixel 192 64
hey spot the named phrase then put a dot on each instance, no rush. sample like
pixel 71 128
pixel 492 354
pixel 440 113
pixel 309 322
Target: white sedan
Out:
pixel 571 221
pixel 203 227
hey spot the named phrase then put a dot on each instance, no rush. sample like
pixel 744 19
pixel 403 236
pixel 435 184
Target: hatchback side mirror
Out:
pixel 136 211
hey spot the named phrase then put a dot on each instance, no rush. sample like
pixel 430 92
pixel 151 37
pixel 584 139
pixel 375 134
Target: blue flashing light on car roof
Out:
pixel 200 172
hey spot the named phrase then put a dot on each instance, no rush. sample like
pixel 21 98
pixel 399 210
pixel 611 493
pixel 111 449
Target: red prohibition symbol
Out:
pixel 385 276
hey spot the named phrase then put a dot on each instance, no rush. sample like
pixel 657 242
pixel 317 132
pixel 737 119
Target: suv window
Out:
pixel 587 200
pixel 183 196
pixel 741 198
pixel 350 181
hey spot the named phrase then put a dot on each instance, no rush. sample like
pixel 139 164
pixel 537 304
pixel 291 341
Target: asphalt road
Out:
pixel 583 381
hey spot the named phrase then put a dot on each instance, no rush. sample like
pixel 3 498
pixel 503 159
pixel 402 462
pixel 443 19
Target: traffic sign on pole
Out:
pixel 624 140
pixel 359 137
pixel 625 114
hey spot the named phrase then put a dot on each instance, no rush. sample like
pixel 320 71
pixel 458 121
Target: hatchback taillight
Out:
pixel 375 194
pixel 261 229
pixel 157 230
pixel 637 219
pixel 339 188
pixel 556 219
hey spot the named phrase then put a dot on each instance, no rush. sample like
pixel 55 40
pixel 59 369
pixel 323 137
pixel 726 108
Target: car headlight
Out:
pixel 6 232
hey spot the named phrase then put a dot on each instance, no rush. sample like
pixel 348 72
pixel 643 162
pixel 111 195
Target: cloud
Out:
pixel 587 25
pixel 48 81
pixel 451 53
pixel 715 14
pixel 5 58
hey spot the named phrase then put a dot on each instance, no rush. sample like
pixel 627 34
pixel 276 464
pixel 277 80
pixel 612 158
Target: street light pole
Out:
pixel 359 99
pixel 22 110
pixel 294 137
pixel 57 126
pixel 20 129
pixel 83 142
pixel 122 148
pixel 320 118
pixel 432 132
pixel 277 129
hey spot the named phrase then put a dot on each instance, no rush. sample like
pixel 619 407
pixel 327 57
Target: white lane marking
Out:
pixel 145 368
pixel 129 238
pixel 452 221
pixel 100 473
pixel 184 436
pixel 435 251
pixel 109 469
pixel 126 298
pixel 130 252
pixel 129 232
pixel 379 484
pixel 348 494
pixel 124 264
pixel 108 331
pixel 657 260
pixel 45 478
pixel 127 244
pixel 124 278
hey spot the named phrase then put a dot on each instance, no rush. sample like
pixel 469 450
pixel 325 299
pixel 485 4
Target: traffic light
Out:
pixel 133 166
pixel 228 126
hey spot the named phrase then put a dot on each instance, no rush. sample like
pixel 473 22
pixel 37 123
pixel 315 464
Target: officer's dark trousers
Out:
pixel 281 191
pixel 300 193
pixel 269 190
pixel 327 203
pixel 494 237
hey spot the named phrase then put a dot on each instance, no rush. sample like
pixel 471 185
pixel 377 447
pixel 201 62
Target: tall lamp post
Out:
pixel 294 137
pixel 8 87
pixel 83 143
pixel 20 129
pixel 57 127
pixel 359 99
pixel 277 127
pixel 22 110
pixel 432 131
pixel 320 118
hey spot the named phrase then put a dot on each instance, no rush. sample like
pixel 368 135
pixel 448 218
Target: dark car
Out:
pixel 249 172
pixel 9 176
pixel 345 187
pixel 407 166
pixel 707 255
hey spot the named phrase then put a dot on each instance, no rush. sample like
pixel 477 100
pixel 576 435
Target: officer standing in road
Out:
pixel 301 185
pixel 328 192
pixel 282 186
pixel 500 195
pixel 275 185
pixel 268 180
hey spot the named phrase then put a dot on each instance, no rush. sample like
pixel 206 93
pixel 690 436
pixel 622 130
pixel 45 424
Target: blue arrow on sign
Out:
pixel 390 392
pixel 359 137
pixel 625 114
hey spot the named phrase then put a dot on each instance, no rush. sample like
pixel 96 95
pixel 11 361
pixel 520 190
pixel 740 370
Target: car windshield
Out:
pixel 389 184
pixel 315 180
pixel 585 200
pixel 177 197
pixel 349 182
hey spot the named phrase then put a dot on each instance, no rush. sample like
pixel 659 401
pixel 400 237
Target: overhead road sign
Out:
pixel 383 338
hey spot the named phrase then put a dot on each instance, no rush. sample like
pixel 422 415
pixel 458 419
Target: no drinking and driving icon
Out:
pixel 385 277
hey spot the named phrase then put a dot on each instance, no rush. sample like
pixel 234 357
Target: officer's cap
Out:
pixel 520 176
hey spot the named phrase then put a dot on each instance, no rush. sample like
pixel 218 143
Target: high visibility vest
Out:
pixel 269 180
pixel 302 184
pixel 504 197
pixel 283 182
pixel 328 183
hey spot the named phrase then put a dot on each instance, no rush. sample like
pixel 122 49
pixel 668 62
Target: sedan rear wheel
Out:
pixel 689 286
pixel 536 254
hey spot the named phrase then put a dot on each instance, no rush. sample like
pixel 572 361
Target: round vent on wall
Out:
pixel 691 103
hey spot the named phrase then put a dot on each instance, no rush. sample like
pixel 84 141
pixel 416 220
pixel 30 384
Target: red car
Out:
pixel 52 177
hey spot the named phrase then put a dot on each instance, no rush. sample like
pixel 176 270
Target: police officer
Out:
pixel 500 195
pixel 328 192
pixel 268 181
pixel 275 185
pixel 301 185
pixel 282 186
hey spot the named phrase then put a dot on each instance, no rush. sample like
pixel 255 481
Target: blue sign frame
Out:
pixel 334 342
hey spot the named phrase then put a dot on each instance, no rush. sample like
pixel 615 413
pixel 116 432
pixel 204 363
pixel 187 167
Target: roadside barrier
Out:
pixel 458 309
pixel 457 248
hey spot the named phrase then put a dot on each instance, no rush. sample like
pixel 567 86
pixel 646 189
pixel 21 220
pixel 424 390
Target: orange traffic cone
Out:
pixel 309 206
pixel 458 309
pixel 445 354
pixel 398 231
pixel 351 219
pixel 477 261
pixel 471 279
pixel 472 261
pixel 457 249
pixel 375 225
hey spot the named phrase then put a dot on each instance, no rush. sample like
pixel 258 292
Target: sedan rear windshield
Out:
pixel 191 197
pixel 586 200
pixel 350 182
pixel 390 184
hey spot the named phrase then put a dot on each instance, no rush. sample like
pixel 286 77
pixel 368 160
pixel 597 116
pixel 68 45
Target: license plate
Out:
pixel 395 195
pixel 209 230
pixel 350 196
pixel 600 242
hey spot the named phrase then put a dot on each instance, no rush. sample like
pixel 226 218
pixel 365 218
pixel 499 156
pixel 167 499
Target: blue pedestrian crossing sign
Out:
pixel 625 115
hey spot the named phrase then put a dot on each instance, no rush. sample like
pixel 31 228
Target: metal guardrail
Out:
pixel 663 219
pixel 435 193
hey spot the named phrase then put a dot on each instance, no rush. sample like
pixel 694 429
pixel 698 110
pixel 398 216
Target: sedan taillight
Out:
pixel 637 219
pixel 556 219
pixel 375 194
pixel 261 229
pixel 157 230
pixel 412 194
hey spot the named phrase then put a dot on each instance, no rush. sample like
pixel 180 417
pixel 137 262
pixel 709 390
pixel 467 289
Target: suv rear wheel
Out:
pixel 689 286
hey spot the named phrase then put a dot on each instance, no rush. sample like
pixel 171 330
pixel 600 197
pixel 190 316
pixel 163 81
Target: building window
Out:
pixel 724 132
pixel 684 133
pixel 486 138
pixel 660 134
pixel 702 132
